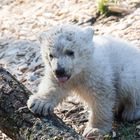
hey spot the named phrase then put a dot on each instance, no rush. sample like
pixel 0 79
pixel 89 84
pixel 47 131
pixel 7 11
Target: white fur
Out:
pixel 105 73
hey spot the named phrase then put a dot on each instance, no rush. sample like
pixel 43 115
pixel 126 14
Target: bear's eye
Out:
pixel 69 53
pixel 51 56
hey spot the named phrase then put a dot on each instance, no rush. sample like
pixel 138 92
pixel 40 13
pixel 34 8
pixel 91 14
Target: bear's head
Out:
pixel 66 49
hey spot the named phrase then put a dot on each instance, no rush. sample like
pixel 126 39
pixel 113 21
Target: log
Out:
pixel 17 122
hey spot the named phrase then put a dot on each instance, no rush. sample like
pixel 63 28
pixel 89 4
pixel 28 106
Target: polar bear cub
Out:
pixel 103 71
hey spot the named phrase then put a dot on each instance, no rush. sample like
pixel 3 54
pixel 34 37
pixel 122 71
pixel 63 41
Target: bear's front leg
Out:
pixel 48 97
pixel 100 119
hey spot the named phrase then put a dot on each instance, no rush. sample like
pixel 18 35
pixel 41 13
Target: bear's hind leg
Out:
pixel 131 114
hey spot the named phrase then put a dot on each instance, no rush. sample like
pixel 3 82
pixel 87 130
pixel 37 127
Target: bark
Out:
pixel 19 123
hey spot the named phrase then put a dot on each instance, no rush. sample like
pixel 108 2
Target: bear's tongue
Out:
pixel 63 79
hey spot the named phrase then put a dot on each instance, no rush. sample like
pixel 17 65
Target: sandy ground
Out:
pixel 22 20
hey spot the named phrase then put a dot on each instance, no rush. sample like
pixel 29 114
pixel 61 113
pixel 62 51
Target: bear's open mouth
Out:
pixel 63 79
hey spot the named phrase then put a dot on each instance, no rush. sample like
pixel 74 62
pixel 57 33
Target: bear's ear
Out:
pixel 89 32
pixel 42 37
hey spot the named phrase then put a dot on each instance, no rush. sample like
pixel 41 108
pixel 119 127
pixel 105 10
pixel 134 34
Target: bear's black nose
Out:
pixel 60 72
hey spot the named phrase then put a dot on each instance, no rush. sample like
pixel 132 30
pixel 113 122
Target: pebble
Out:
pixel 114 134
pixel 138 127
pixel 33 78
